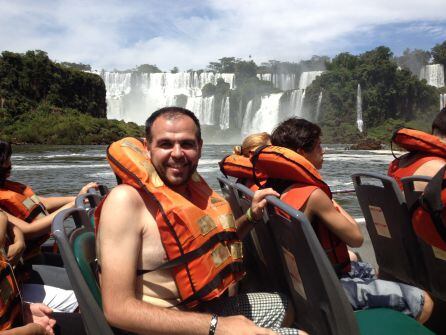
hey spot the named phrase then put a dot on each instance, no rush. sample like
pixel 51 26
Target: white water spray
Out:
pixel 318 107
pixel 359 121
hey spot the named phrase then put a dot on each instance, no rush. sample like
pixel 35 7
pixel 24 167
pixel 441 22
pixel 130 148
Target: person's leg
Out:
pixel 374 293
pixel 266 310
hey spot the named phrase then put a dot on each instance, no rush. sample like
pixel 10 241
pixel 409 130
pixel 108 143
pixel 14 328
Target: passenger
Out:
pixel 249 145
pixel 24 207
pixel 30 315
pixel 336 229
pixel 137 229
pixel 422 161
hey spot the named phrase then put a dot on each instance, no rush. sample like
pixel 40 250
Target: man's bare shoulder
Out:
pixel 124 194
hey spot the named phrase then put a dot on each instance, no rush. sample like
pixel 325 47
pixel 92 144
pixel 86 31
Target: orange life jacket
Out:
pixel 198 234
pixel 240 167
pixel 423 147
pixel 20 200
pixel 10 299
pixel 285 165
pixel 429 214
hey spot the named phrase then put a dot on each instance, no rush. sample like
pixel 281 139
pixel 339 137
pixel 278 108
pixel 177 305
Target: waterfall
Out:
pixel 296 103
pixel 306 78
pixel 264 119
pixel 246 124
pixel 442 101
pixel 224 114
pixel 359 121
pixel 134 96
pixel 433 74
pixel 318 107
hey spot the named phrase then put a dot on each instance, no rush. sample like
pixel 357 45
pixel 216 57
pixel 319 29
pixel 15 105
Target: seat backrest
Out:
pixel 227 188
pixel 410 193
pixel 94 320
pixel 388 223
pixel 318 297
pixel 434 258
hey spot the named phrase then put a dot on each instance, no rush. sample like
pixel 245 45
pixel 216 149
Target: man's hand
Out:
pixel 39 314
pixel 88 186
pixel 259 202
pixel 241 326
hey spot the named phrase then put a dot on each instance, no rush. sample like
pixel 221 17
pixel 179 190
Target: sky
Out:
pixel 118 34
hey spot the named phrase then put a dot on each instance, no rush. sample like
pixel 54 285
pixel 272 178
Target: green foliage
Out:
pixel 27 80
pixel 77 66
pixel 174 70
pixel 148 68
pixel 439 53
pixel 387 93
pixel 50 125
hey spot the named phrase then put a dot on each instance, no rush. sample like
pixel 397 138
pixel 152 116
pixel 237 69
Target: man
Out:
pixel 128 238
pixel 328 219
pixel 422 162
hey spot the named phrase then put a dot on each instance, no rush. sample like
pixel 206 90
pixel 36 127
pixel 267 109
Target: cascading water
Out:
pixel 433 74
pixel 224 114
pixel 318 107
pixel 296 102
pixel 442 101
pixel 306 78
pixel 246 124
pixel 133 96
pixel 265 118
pixel 359 121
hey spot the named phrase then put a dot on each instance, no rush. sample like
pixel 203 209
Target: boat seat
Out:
pixel 388 223
pixel 321 306
pixel 389 322
pixel 434 258
pixel 261 257
pixel 91 312
pixel 410 193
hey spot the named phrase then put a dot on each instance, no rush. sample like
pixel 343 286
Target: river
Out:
pixel 61 170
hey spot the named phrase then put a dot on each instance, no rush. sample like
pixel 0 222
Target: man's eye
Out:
pixel 188 145
pixel 165 145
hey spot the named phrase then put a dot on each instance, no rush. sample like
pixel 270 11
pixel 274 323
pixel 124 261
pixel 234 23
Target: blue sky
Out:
pixel 121 34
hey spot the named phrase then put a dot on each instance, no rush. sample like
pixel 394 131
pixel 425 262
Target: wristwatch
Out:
pixel 213 324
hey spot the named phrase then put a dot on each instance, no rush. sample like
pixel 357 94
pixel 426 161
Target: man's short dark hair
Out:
pixel 296 134
pixel 170 112
pixel 439 123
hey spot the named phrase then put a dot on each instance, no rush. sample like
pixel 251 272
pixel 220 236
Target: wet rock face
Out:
pixel 366 144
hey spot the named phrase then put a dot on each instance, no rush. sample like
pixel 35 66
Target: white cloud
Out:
pixel 122 34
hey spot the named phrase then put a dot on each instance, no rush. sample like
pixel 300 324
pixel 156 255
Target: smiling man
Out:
pixel 141 228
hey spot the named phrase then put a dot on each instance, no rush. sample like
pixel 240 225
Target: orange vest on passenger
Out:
pixel 19 200
pixel 423 147
pixel 198 234
pixel 277 162
pixel 10 300
pixel 240 167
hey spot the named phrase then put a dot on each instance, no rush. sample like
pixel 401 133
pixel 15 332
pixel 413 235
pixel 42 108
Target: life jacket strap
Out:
pixel 188 257
pixel 236 267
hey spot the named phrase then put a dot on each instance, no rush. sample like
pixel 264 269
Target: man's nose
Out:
pixel 177 152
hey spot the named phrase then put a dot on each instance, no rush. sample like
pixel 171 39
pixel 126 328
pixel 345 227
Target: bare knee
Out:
pixel 301 332
pixel 353 257
pixel 427 309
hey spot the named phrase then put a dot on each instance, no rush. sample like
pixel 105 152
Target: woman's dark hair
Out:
pixel 5 151
pixel 296 134
pixel 439 123
pixel 170 112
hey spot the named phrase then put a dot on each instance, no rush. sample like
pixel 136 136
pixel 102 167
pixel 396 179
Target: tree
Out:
pixel 439 53
pixel 77 66
pixel 413 60
pixel 174 70
pixel 148 68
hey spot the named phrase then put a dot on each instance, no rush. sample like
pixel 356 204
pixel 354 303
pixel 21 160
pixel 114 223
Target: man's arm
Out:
pixel 38 227
pixel 120 231
pixel 340 223
pixel 54 203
